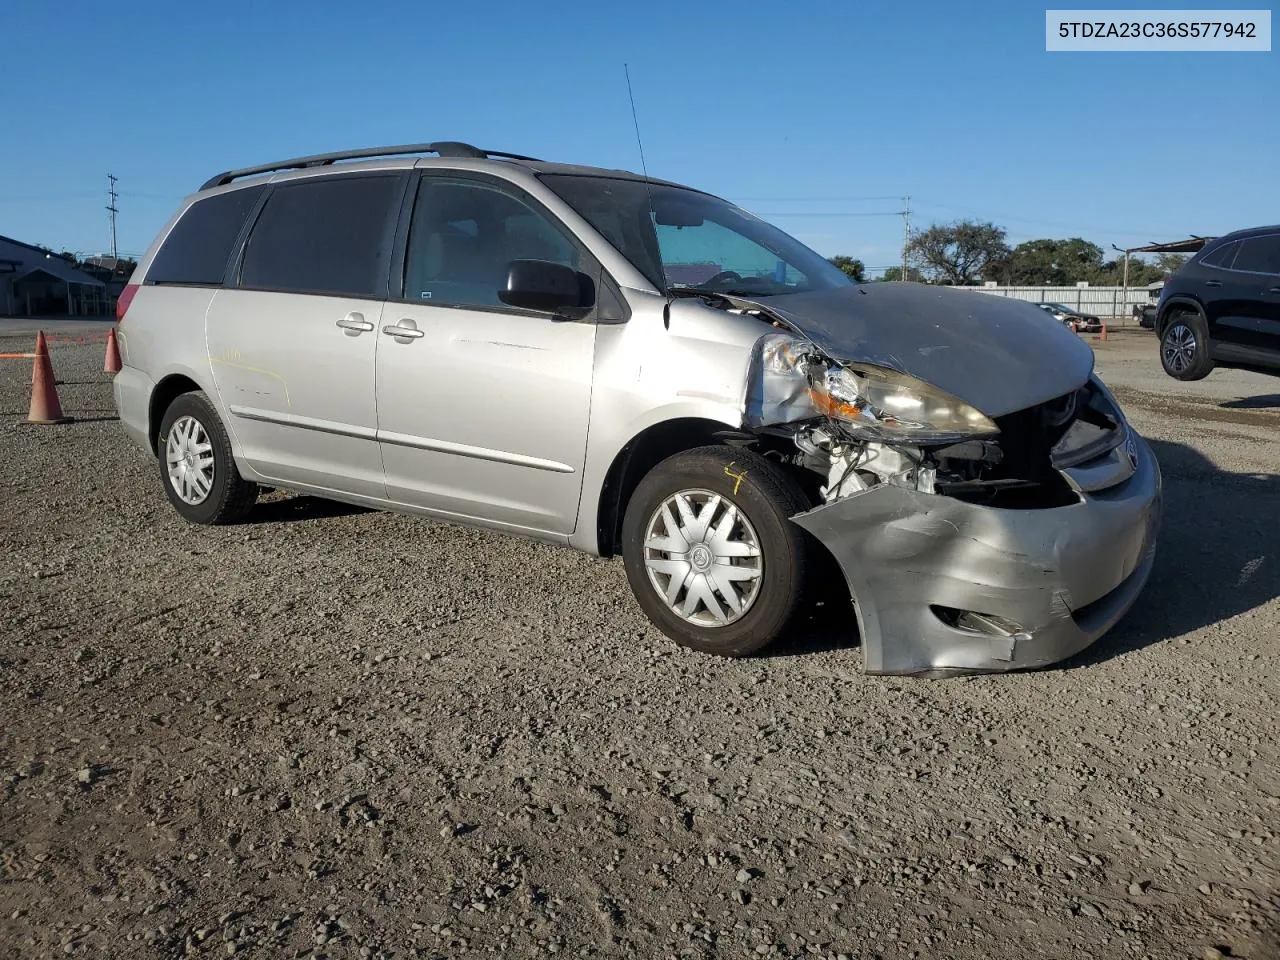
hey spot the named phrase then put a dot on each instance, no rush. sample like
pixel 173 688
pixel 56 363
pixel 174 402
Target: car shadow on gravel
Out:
pixel 1218 555
pixel 833 625
pixel 1267 401
pixel 291 509
pixel 71 416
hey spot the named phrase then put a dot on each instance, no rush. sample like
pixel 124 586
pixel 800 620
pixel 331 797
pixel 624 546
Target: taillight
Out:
pixel 126 298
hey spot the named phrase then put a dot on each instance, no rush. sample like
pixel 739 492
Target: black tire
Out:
pixel 767 497
pixel 230 496
pixel 1185 349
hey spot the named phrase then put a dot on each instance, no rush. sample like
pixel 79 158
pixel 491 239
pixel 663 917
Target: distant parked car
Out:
pixel 1075 319
pixel 1223 307
pixel 1145 314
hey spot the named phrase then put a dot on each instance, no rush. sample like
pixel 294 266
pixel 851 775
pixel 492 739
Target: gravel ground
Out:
pixel 339 733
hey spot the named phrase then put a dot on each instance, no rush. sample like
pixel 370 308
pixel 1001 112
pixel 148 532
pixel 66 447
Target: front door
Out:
pixel 482 407
pixel 1248 330
pixel 292 343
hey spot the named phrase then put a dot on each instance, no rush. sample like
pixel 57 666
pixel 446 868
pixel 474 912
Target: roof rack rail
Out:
pixel 445 148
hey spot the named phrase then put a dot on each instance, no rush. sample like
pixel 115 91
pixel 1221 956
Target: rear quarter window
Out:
pixel 1222 256
pixel 200 243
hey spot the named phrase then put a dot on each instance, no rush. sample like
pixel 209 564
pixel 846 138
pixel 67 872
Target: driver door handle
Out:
pixel 404 330
pixel 1213 283
pixel 1275 289
pixel 355 324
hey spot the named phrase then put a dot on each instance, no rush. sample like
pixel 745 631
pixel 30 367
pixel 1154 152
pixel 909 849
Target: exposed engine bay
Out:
pixel 859 425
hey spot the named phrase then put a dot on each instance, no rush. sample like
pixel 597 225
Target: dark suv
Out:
pixel 1223 307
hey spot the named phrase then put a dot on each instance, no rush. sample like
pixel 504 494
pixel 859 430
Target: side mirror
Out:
pixel 548 288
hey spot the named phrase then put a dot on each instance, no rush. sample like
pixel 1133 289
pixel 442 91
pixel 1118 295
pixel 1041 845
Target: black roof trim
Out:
pixel 444 148
pixel 1247 232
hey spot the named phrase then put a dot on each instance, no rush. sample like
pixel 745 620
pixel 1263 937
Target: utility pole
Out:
pixel 906 233
pixel 111 208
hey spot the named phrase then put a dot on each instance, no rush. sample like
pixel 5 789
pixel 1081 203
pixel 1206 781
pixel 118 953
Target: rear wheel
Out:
pixel 196 464
pixel 710 552
pixel 1184 347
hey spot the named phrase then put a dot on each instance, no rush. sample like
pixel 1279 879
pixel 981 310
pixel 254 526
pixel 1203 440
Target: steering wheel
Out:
pixel 722 277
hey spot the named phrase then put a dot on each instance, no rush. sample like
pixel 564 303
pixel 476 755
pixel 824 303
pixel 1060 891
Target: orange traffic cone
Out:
pixel 45 407
pixel 112 362
pixel 1103 336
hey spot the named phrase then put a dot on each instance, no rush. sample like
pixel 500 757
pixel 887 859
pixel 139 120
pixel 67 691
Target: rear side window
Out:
pixel 199 245
pixel 1222 256
pixel 1259 255
pixel 330 235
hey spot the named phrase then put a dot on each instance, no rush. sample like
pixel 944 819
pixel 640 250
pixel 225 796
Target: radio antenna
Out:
pixel 636 120
pixel 645 170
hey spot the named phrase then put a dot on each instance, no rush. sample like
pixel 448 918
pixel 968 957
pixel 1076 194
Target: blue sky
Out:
pixel 801 111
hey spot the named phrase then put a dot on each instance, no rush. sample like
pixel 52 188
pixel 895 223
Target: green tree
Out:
pixel 1052 263
pixel 895 273
pixel 1141 273
pixel 850 265
pixel 957 253
pixel 1171 262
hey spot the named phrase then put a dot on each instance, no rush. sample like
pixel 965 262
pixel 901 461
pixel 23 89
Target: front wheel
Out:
pixel 1184 347
pixel 711 553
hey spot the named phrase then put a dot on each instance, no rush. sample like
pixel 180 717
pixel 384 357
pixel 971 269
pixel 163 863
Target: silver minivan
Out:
pixel 628 366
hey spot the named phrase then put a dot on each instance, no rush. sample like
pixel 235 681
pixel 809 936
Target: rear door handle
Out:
pixel 404 330
pixel 1213 283
pixel 1273 290
pixel 355 324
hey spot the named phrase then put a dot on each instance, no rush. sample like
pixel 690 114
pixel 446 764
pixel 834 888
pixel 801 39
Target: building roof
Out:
pixel 60 271
pixel 1191 245
pixel 32 259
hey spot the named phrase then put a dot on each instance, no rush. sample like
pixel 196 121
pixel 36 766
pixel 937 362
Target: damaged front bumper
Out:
pixel 941 585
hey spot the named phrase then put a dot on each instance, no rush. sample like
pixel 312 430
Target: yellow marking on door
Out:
pixel 736 477
pixel 266 373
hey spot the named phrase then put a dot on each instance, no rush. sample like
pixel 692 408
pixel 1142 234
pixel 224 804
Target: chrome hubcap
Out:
pixel 189 457
pixel 703 558
pixel 1179 348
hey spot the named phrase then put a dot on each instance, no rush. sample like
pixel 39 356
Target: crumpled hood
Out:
pixel 996 354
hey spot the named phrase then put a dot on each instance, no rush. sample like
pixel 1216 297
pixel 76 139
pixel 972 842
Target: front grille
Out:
pixel 1096 429
pixel 1027 438
pixel 1035 444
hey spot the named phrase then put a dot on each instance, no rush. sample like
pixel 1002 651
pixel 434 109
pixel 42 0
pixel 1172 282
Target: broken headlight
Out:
pixel 884 404
pixel 792 380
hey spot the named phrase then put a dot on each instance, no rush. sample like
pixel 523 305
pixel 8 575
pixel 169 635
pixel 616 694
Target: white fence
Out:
pixel 1110 303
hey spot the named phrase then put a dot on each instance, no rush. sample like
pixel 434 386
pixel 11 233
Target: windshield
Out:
pixel 685 240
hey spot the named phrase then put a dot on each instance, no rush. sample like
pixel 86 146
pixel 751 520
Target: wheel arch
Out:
pixel 167 390
pixel 645 451
pixel 1177 304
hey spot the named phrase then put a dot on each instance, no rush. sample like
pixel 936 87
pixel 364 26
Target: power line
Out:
pixel 47 197
pixel 828 213
pixel 813 199
pixel 906 233
pixel 111 207
pixel 958 208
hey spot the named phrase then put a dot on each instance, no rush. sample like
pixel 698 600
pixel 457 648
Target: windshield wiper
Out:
pixel 702 292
